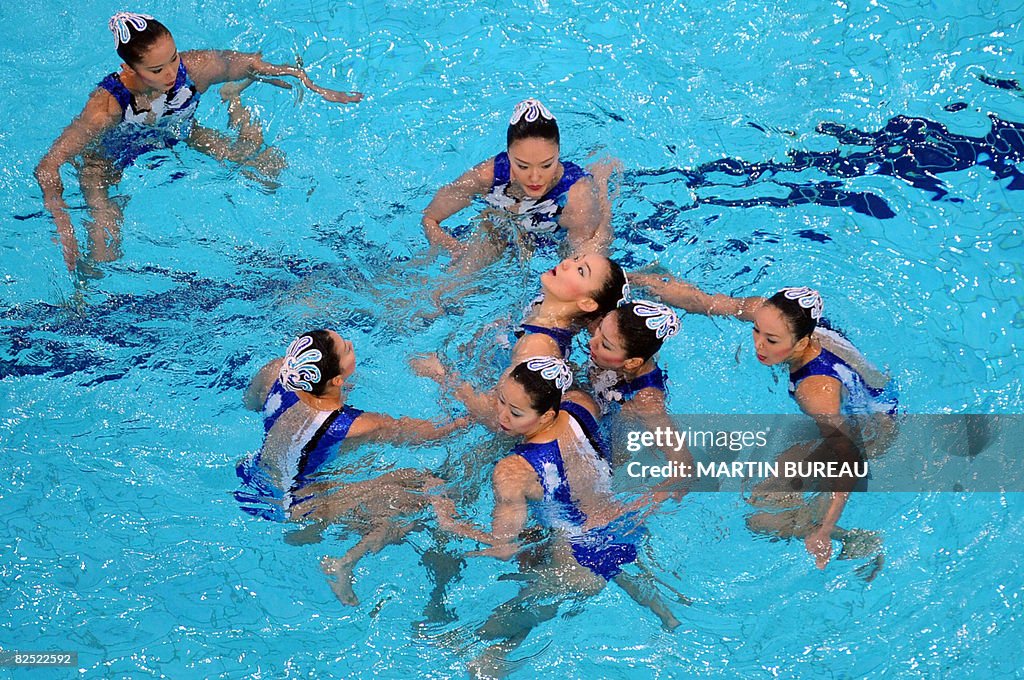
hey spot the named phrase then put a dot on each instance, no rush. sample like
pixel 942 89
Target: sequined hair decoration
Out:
pixel 299 370
pixel 551 368
pixel 808 298
pixel 119 25
pixel 531 110
pixel 658 317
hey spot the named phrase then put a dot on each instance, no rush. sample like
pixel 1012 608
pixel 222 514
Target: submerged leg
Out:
pixel 339 569
pixel 646 595
pixel 510 623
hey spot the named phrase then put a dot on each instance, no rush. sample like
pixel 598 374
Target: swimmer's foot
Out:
pixel 307 535
pixel 871 569
pixel 339 577
pixel 270 162
pixel 858 543
pixel 489 665
pixel 231 91
pixel 87 269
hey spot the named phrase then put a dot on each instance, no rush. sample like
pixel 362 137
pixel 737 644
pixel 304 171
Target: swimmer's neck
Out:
pixel 643 369
pixel 798 361
pixel 553 313
pixel 550 431
pixel 328 402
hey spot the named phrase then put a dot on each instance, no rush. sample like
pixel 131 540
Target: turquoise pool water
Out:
pixel 122 417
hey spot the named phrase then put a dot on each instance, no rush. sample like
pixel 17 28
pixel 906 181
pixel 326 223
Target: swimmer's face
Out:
pixel 516 415
pixel 346 356
pixel 577 279
pixel 158 68
pixel 606 348
pixel 774 341
pixel 533 164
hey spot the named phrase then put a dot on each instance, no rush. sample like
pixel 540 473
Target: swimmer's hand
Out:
pixel 339 97
pixel 819 546
pixel 503 551
pixel 428 365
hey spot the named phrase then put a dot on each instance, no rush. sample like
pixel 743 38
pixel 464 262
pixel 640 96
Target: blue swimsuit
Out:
pixel 311 449
pixel 167 122
pixel 536 216
pixel 610 391
pixel 604 549
pixel 859 398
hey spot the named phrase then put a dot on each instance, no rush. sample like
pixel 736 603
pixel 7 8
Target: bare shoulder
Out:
pixel 514 478
pixel 533 345
pixel 368 424
pixel 819 395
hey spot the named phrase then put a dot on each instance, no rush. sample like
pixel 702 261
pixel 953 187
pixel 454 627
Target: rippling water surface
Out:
pixel 871 150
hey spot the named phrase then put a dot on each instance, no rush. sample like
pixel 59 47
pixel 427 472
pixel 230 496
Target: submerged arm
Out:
pixel 404 430
pixel 450 199
pixel 101 112
pixel 820 397
pixel 587 219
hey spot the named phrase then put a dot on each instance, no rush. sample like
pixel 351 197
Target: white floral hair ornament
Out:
pixel 118 25
pixel 299 370
pixel 658 317
pixel 551 368
pixel 808 298
pixel 531 110
pixel 627 293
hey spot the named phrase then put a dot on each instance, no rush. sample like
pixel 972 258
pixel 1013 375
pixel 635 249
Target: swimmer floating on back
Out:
pixel 150 104
pixel 531 188
pixel 577 290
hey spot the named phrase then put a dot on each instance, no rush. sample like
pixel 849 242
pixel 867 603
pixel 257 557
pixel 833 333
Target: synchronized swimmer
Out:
pixel 151 104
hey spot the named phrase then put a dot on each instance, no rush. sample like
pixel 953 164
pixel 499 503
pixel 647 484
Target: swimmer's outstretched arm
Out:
pixel 452 198
pixel 101 112
pixel 381 427
pixel 482 406
pixel 209 67
pixel 686 296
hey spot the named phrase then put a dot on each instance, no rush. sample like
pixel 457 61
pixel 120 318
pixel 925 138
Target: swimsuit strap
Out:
pixel 590 428
pixel 656 379
pixel 823 364
pixel 112 84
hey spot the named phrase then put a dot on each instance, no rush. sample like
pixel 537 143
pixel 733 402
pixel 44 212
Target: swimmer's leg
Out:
pixel 443 568
pixel 646 595
pixel 339 569
pixel 96 176
pixel 511 623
